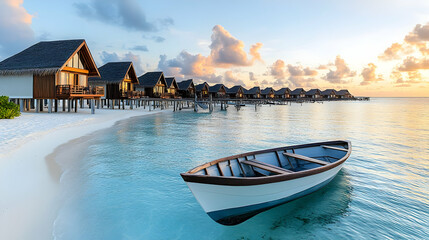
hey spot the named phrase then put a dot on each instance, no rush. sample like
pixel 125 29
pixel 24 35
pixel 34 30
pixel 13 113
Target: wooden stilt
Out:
pixel 56 105
pixel 92 106
pixel 36 105
pixel 69 105
pixel 49 105
pixel 21 105
pixel 75 105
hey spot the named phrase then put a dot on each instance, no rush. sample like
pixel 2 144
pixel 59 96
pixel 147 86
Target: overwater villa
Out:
pixel 298 93
pixel 217 91
pixel 172 87
pixel 118 79
pixel 50 70
pixel 202 90
pixel 253 93
pixel 313 93
pixel 282 93
pixel 329 94
pixel 153 84
pixel 235 92
pixel 186 88
pixel 344 93
pixel 267 93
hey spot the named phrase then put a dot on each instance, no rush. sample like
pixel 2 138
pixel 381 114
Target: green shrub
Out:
pixel 8 110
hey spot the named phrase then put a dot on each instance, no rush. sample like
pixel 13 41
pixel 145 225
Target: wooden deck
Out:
pixel 73 91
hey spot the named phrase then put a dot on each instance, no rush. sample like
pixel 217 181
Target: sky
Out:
pixel 372 48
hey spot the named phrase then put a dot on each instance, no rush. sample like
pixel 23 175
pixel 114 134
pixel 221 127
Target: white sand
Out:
pixel 28 177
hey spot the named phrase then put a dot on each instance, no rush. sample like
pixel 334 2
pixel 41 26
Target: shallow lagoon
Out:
pixel 127 184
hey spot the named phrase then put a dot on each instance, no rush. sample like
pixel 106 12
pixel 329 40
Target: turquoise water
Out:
pixel 127 185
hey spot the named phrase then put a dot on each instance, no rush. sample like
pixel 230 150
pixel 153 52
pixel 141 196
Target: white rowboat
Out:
pixel 236 188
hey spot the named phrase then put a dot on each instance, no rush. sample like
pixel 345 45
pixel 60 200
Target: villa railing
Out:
pixel 68 90
pixel 132 94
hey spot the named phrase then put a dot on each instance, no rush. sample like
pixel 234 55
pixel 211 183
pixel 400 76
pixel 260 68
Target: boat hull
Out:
pixel 231 205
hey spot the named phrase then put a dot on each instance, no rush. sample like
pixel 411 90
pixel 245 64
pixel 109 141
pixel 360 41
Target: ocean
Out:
pixel 125 182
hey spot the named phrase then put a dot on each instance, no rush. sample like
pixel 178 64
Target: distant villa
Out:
pixel 53 71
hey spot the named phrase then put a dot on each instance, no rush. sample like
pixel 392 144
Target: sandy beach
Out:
pixel 29 175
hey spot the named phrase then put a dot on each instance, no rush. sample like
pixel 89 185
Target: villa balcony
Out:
pixel 75 91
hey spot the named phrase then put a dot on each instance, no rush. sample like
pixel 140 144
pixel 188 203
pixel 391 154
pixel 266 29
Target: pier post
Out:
pixel 75 105
pixel 211 104
pixel 195 104
pixel 68 105
pixel 92 106
pixel 131 104
pixel 49 105
pixel 56 105
pixel 21 105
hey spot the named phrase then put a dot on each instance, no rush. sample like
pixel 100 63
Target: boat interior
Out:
pixel 275 161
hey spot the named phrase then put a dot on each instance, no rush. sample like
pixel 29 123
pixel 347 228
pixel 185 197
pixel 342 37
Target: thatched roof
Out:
pixel 115 72
pixel 297 91
pixel 201 86
pixel 267 91
pixel 184 85
pixel 234 89
pixel 216 88
pixel 343 92
pixel 150 79
pixel 252 91
pixel 282 91
pixel 313 92
pixel 328 92
pixel 171 81
pixel 47 57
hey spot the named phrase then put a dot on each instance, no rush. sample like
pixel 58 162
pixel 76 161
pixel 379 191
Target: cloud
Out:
pixel 113 57
pixel 299 81
pixel 419 34
pixel 298 70
pixel 341 72
pixel 254 52
pixel 300 76
pixel 15 27
pixel 277 70
pixel 124 13
pixel 412 77
pixel 392 52
pixel 413 64
pixel 252 76
pixel 231 80
pixel 414 42
pixel 142 48
pixel 322 67
pixel 227 51
pixel 369 75
pixel 157 39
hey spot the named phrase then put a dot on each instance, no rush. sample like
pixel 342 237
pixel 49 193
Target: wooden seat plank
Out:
pixel 305 158
pixel 270 165
pixel 266 167
pixel 336 148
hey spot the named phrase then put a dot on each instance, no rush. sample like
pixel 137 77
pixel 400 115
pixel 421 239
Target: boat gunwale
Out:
pixel 189 176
